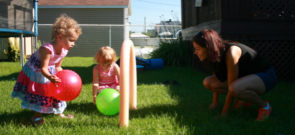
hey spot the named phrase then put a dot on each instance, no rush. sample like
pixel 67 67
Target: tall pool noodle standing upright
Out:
pixel 127 82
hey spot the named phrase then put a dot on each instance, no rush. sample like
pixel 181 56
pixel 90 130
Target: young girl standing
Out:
pixel 32 85
pixel 106 72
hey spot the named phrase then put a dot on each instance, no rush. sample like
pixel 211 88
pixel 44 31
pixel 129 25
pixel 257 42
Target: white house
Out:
pixel 102 22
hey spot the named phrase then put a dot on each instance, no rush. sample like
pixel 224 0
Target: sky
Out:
pixel 154 11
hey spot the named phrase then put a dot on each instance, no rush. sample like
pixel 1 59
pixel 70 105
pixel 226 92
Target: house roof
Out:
pixel 138 35
pixel 83 2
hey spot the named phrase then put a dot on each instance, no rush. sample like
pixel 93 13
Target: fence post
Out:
pixel 21 40
pixel 110 35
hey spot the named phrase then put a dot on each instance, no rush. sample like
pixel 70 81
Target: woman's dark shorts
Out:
pixel 269 78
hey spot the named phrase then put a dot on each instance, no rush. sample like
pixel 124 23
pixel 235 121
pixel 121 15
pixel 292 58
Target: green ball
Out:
pixel 108 101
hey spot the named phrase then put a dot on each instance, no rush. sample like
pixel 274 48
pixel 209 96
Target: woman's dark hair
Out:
pixel 210 39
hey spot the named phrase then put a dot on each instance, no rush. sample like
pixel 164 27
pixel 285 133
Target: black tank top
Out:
pixel 249 63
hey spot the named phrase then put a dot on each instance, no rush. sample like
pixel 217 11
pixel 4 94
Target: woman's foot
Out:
pixel 264 113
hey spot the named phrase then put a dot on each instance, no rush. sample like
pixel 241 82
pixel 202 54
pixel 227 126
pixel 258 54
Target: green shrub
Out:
pixel 13 51
pixel 39 43
pixel 173 52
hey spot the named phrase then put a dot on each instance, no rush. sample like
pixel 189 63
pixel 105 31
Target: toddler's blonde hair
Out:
pixel 63 24
pixel 105 55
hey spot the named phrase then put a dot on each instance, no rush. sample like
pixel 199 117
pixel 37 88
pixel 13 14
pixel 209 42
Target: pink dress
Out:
pixel 32 88
pixel 108 79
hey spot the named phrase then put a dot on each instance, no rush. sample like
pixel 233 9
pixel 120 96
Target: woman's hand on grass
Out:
pixel 220 116
pixel 213 106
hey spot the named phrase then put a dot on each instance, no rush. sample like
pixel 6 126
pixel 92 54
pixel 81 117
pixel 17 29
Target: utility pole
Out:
pixel 144 24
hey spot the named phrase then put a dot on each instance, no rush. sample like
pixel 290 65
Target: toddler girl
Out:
pixel 106 72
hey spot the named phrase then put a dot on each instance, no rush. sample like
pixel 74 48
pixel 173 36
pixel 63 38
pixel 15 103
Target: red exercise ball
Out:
pixel 69 88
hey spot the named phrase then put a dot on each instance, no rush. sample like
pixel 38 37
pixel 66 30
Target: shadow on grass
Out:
pixel 9 77
pixel 192 97
pixel 193 100
pixel 85 108
pixel 23 118
pixel 189 112
pixel 20 118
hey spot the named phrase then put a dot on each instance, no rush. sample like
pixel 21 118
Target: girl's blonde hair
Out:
pixel 105 55
pixel 62 24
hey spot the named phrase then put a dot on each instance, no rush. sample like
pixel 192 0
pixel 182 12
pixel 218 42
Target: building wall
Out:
pixel 126 22
pixel 82 15
pixel 145 42
pixel 93 36
pixel 28 50
pixel 3 46
pixel 193 16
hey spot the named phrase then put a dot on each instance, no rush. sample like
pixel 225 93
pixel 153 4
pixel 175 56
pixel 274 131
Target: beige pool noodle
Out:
pixel 128 82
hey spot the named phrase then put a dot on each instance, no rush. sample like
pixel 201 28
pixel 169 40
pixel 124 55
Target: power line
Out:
pixel 159 3
pixel 143 8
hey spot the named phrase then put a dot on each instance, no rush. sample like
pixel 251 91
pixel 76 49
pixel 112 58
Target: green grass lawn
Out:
pixel 162 109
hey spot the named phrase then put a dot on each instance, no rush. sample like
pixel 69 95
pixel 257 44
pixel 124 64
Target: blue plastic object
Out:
pixel 139 68
pixel 154 63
